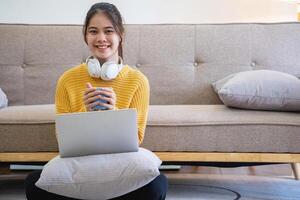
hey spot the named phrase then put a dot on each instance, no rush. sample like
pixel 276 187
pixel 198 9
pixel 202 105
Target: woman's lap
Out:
pixel 155 190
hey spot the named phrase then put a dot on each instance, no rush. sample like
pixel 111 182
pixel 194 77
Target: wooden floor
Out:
pixel 12 182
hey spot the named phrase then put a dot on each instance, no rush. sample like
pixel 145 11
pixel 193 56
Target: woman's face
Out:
pixel 102 39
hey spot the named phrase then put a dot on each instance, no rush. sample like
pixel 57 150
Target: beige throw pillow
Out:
pixel 3 99
pixel 260 90
pixel 99 176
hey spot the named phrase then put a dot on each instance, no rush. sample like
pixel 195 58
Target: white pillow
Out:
pixel 3 99
pixel 261 90
pixel 99 176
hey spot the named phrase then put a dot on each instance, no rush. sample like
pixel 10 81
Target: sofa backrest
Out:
pixel 180 61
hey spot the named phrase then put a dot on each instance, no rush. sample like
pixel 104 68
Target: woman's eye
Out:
pixel 92 31
pixel 109 31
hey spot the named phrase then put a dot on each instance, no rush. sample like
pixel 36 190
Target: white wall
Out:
pixel 150 11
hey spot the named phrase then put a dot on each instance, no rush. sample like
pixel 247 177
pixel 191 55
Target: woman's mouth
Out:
pixel 102 47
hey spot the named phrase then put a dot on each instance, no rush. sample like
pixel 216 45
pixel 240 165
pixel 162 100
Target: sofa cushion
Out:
pixel 208 128
pixel 261 90
pixel 217 128
pixel 28 128
pixel 28 114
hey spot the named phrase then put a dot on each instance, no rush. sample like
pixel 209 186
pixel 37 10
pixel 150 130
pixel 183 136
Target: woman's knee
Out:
pixel 30 181
pixel 32 178
pixel 157 188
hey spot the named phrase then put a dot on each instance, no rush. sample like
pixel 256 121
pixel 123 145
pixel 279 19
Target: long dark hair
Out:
pixel 113 14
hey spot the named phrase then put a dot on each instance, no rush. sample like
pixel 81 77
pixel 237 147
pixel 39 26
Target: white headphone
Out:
pixel 108 71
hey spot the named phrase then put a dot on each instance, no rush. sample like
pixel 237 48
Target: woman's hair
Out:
pixel 113 14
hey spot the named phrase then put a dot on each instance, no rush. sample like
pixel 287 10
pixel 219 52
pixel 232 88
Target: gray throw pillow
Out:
pixel 3 99
pixel 260 90
pixel 98 177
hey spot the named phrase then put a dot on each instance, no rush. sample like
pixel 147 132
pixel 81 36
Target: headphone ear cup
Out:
pixel 109 71
pixel 94 67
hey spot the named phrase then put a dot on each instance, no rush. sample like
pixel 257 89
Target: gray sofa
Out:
pixel 187 122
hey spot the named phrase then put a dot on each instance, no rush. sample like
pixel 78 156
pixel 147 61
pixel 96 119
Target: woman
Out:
pixel 121 87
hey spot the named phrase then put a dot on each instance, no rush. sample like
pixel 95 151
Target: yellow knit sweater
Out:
pixel 131 88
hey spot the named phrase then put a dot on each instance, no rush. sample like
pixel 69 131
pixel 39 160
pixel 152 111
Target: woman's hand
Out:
pixel 103 96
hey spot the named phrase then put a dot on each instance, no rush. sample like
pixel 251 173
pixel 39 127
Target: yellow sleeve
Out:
pixel 62 102
pixel 140 102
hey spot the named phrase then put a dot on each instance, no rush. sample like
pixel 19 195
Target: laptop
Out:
pixel 97 132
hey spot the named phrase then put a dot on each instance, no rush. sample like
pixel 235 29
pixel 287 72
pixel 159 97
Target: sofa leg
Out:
pixel 296 170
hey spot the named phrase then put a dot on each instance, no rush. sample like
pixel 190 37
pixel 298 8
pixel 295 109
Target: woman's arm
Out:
pixel 62 102
pixel 140 101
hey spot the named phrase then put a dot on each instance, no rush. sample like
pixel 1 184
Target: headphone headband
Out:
pixel 108 71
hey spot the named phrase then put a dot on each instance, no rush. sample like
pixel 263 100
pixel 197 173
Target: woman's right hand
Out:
pixel 90 96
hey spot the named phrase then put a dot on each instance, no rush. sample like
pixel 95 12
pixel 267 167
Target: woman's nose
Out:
pixel 101 36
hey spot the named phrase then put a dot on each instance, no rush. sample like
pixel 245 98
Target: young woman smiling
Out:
pixel 121 87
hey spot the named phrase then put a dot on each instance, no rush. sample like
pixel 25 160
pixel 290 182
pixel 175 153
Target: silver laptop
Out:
pixel 98 132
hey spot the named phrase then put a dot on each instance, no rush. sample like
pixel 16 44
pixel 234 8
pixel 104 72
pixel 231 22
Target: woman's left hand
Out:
pixel 107 94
